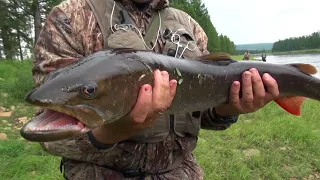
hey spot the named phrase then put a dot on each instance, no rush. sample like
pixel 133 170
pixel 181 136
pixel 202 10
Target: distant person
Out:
pixel 264 57
pixel 246 55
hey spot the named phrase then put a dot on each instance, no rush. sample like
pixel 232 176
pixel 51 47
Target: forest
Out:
pixel 21 23
pixel 311 41
pixel 255 46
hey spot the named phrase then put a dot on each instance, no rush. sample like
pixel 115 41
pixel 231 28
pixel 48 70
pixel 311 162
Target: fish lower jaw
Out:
pixel 52 126
pixel 79 125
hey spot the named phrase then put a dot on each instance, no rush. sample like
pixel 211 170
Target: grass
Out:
pixel 285 146
pixel 305 51
pixel 19 158
pixel 240 57
pixel 288 146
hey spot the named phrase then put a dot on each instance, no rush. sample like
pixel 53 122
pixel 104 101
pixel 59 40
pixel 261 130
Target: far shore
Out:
pixel 305 51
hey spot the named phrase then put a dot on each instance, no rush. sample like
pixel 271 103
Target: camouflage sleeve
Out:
pixel 200 36
pixel 54 47
pixel 209 120
pixel 70 32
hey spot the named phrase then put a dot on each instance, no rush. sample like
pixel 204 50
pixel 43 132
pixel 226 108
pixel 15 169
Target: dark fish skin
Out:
pixel 116 76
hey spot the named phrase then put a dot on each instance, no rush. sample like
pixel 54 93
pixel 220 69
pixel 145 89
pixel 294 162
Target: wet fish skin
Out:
pixel 117 75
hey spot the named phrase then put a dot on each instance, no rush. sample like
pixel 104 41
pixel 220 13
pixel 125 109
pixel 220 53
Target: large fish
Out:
pixel 103 87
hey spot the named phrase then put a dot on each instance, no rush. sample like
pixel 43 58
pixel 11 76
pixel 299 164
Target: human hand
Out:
pixel 153 102
pixel 150 104
pixel 254 95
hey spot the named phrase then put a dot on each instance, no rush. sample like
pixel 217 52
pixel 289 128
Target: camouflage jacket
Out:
pixel 246 56
pixel 71 32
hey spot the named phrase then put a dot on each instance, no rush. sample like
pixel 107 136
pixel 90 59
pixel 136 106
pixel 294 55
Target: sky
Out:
pixel 261 21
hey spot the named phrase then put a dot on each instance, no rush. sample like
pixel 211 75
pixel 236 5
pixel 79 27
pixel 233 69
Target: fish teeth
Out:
pixel 46 128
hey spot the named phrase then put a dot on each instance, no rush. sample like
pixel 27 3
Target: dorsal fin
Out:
pixel 126 50
pixel 306 68
pixel 218 56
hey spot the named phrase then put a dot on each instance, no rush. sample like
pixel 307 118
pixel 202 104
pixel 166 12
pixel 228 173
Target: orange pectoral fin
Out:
pixel 292 104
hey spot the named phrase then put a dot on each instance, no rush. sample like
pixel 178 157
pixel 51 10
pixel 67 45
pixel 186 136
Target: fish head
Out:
pixel 77 100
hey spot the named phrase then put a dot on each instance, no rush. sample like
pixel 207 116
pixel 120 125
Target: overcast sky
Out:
pixel 256 21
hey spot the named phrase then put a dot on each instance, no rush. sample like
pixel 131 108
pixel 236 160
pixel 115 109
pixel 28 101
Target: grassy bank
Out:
pixel 268 144
pixel 306 51
pixel 19 158
pixel 240 57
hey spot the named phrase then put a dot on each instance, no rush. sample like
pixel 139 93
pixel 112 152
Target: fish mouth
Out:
pixel 55 124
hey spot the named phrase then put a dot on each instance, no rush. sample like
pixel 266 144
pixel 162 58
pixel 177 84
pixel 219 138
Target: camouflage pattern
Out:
pixel 146 157
pixel 71 32
pixel 246 56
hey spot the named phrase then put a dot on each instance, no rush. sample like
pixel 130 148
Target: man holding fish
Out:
pixel 144 144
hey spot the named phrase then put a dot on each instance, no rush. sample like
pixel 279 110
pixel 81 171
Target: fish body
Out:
pixel 103 87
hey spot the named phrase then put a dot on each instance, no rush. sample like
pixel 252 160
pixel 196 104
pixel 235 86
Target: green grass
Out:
pixel 240 57
pixel 19 158
pixel 305 51
pixel 289 146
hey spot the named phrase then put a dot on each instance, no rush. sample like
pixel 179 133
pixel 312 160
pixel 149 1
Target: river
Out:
pixel 313 59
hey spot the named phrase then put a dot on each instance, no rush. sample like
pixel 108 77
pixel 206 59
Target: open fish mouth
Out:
pixel 52 125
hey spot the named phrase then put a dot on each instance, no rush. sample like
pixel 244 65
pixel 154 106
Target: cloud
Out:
pixel 252 21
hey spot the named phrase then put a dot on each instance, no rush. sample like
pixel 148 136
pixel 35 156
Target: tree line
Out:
pixel 21 23
pixel 311 41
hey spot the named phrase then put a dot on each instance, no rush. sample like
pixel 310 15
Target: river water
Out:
pixel 313 59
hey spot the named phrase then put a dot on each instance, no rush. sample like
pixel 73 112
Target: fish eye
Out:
pixel 89 91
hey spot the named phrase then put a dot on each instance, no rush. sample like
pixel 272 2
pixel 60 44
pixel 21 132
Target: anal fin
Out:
pixel 292 104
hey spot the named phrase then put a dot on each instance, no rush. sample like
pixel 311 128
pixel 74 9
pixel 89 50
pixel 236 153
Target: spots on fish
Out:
pixel 141 77
pixel 47 101
pixel 65 89
pixel 201 78
pixel 125 90
pixel 205 77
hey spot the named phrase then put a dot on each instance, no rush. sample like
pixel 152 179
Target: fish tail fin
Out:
pixel 292 104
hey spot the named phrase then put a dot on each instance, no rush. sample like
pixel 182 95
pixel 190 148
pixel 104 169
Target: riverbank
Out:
pixel 240 57
pixel 305 51
pixel 267 144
